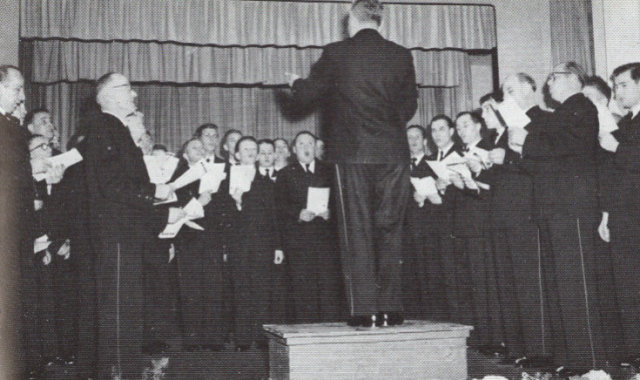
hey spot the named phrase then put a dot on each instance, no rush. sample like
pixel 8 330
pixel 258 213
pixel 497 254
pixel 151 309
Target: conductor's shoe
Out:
pixel 362 320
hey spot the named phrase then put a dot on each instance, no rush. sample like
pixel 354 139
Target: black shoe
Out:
pixel 566 373
pixel 69 359
pixel 535 361
pixel 395 318
pixel 155 348
pixel 630 361
pixel 497 351
pixel 362 320
pixel 242 347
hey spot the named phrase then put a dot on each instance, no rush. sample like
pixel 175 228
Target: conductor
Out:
pixel 369 85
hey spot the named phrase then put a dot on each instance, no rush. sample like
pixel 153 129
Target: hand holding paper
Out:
pixel 193 174
pixel 241 178
pixel 210 181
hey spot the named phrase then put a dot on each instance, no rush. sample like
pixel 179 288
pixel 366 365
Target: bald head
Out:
pixel 114 94
pixel 11 88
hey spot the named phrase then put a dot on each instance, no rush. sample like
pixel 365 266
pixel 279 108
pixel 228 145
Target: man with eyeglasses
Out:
pixel 621 205
pixel 562 153
pixel 122 220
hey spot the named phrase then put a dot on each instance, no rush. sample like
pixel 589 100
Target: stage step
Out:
pixel 414 350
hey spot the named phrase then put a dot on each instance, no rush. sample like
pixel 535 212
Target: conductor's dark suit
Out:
pixel 122 219
pixel 370 90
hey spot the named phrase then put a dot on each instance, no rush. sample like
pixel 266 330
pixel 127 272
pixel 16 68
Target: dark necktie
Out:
pixel 413 163
pixel 308 168
pixel 465 149
pixel 440 155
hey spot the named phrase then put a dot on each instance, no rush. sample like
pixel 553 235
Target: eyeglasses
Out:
pixel 43 146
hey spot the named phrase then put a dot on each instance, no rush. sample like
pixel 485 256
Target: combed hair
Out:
pixel 243 139
pixel 446 118
pixel 198 132
pixel 4 71
pixel 526 78
pixel 475 116
pixel 295 139
pixel 267 141
pixel 368 10
pixel 160 147
pixel 634 67
pixel 28 118
pixel 599 84
pixel 418 127
pixel 497 95
pixel 576 69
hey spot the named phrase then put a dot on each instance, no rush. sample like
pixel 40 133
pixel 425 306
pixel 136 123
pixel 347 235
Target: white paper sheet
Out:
pixel 193 174
pixel 210 181
pixel 481 154
pixel 424 186
pixel 194 210
pixel 241 177
pixel 160 168
pixel 172 199
pixel 465 173
pixel 318 199
pixel 512 114
pixel 606 120
pixel 66 159
pixel 41 243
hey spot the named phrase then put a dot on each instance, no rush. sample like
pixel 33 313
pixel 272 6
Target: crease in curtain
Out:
pixel 247 23
pixel 572 33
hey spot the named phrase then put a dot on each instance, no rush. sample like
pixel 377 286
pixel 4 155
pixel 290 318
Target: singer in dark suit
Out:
pixel 369 86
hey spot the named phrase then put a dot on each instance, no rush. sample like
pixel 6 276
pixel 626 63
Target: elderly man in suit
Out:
pixel 122 219
pixel 369 85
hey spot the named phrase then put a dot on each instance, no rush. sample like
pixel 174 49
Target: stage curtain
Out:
pixel 572 33
pixel 252 23
pixel 59 60
pixel 172 112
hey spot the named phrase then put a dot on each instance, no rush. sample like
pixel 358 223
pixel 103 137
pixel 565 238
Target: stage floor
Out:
pixel 254 364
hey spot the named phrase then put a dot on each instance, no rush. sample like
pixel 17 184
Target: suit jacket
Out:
pixel 119 190
pixel 621 184
pixel 471 214
pixel 511 189
pixel 370 88
pixel 564 153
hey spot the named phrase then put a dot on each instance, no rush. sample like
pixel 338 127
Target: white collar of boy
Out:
pixel 634 110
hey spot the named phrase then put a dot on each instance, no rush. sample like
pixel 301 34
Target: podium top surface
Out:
pixel 341 329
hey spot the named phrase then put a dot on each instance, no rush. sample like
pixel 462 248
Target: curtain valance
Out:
pixel 56 60
pixel 252 23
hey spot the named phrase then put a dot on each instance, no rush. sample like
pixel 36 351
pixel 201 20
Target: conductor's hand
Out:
pixel 496 156
pixel 163 191
pixel 278 257
pixel 306 215
pixel 291 77
pixel 175 214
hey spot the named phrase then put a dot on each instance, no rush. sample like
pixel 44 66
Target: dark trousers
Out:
pixel 486 311
pixel 569 266
pixel 119 288
pixel 202 293
pixel 87 327
pixel 519 286
pixel 372 199
pixel 66 305
pixel 38 311
pixel 625 254
pixel 160 293
pixel 315 276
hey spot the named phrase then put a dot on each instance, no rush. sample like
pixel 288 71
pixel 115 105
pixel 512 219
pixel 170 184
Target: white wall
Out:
pixel 9 31
pixel 616 34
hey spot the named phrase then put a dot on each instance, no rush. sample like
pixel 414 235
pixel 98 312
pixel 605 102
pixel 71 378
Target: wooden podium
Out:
pixel 414 350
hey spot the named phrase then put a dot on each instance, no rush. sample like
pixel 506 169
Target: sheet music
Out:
pixel 41 243
pixel 512 114
pixel 66 159
pixel 241 177
pixel 160 168
pixel 194 210
pixel 424 186
pixel 210 181
pixel 607 123
pixel 318 199
pixel 193 174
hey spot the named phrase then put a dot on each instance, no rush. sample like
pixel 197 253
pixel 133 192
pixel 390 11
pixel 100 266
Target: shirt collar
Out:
pixel 418 157
pixel 634 110
pixel 474 144
pixel 312 166
pixel 446 149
